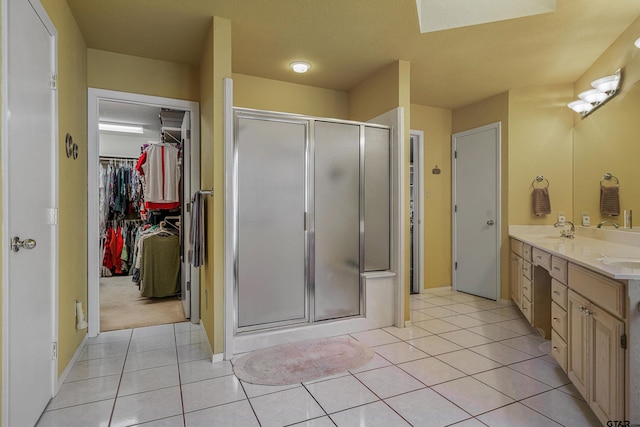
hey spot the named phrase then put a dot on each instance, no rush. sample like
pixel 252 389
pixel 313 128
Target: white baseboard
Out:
pixel 205 337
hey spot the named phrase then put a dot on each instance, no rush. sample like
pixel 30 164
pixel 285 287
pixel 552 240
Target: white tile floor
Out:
pixel 466 362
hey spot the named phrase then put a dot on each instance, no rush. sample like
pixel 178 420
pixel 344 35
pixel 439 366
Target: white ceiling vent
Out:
pixel 437 15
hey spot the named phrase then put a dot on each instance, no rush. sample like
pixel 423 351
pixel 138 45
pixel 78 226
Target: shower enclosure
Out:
pixel 312 214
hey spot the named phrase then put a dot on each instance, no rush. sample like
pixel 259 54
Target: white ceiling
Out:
pixel 135 114
pixel 347 41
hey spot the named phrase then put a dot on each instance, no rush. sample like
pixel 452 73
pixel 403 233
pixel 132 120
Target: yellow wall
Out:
pixel 492 110
pixel 607 140
pixel 125 73
pixel 72 177
pixel 540 143
pixel 215 66
pixel 385 90
pixel 436 125
pixel 274 95
pixel 206 180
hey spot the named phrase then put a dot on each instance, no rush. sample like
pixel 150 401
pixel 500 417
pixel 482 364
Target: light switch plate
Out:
pixel 561 217
pixel 586 221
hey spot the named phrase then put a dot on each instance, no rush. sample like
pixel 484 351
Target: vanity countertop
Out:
pixel 609 253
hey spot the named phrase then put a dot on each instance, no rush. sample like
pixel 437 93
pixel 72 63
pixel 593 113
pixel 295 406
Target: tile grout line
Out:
pixel 115 399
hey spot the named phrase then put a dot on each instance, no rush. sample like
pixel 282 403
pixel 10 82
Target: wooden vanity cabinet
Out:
pixel 559 316
pixel 596 344
pixel 515 271
pixel 529 290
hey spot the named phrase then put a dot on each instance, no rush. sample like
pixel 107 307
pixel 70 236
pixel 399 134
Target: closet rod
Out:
pixel 117 158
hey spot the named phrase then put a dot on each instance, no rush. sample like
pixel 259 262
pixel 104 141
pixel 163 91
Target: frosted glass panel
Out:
pixel 271 240
pixel 376 199
pixel 337 220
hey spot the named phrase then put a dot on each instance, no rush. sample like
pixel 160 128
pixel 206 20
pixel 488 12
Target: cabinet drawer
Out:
pixel 559 269
pixel 516 247
pixel 559 320
pixel 604 292
pixel 559 293
pixel 526 309
pixel 559 350
pixel 527 290
pixel 541 258
pixel 526 252
pixel 527 269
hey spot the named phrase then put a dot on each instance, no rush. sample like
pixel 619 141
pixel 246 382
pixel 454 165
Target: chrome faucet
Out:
pixel 569 234
pixel 608 222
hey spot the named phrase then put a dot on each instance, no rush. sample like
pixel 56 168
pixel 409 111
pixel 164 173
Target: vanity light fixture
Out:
pixel 116 127
pixel 603 90
pixel 300 67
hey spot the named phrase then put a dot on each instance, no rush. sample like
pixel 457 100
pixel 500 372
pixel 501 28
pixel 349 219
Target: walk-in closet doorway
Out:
pixel 131 284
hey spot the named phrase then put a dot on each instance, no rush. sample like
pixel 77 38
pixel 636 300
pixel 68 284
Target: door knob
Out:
pixel 16 244
pixel 490 222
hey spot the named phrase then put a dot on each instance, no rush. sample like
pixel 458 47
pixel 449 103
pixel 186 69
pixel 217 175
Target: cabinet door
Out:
pixel 606 361
pixel 578 332
pixel 516 279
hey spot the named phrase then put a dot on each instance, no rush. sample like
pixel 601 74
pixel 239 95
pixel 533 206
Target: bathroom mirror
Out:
pixel 608 141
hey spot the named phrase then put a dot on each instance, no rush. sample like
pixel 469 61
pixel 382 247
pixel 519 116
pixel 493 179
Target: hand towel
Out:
pixel 541 201
pixel 609 200
pixel 196 234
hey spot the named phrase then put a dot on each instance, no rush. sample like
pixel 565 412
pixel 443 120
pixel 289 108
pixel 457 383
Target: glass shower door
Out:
pixel 337 220
pixel 271 250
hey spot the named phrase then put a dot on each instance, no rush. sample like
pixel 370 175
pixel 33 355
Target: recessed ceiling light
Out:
pixel 300 66
pixel 637 43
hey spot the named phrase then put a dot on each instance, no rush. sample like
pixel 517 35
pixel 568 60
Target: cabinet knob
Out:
pixel 556 268
pixel 556 293
pixel 555 348
pixel 555 319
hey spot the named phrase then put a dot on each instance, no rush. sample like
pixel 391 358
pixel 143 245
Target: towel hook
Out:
pixel 540 178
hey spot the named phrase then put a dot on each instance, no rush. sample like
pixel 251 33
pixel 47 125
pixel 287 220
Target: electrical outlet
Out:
pixel 586 220
pixel 561 217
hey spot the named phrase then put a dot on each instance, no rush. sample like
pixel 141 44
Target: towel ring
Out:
pixel 540 178
pixel 608 177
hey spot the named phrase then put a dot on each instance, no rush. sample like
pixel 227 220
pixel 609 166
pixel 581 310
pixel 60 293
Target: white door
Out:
pixel 30 177
pixel 186 215
pixel 476 211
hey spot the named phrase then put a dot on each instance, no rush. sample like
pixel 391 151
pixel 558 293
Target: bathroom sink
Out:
pixel 621 261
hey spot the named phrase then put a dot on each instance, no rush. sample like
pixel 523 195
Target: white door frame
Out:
pixel 418 158
pixel 93 247
pixel 498 128
pixel 48 24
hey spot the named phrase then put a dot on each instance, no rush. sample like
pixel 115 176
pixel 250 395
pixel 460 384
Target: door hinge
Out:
pixel 455 266
pixel 54 81
pixel 54 350
pixel 455 208
pixel 189 285
pixel 455 154
pixel 623 341
pixel 188 207
pixel 188 133
pixel 52 216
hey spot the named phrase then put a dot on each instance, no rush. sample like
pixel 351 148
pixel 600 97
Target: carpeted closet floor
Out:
pixel 122 307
